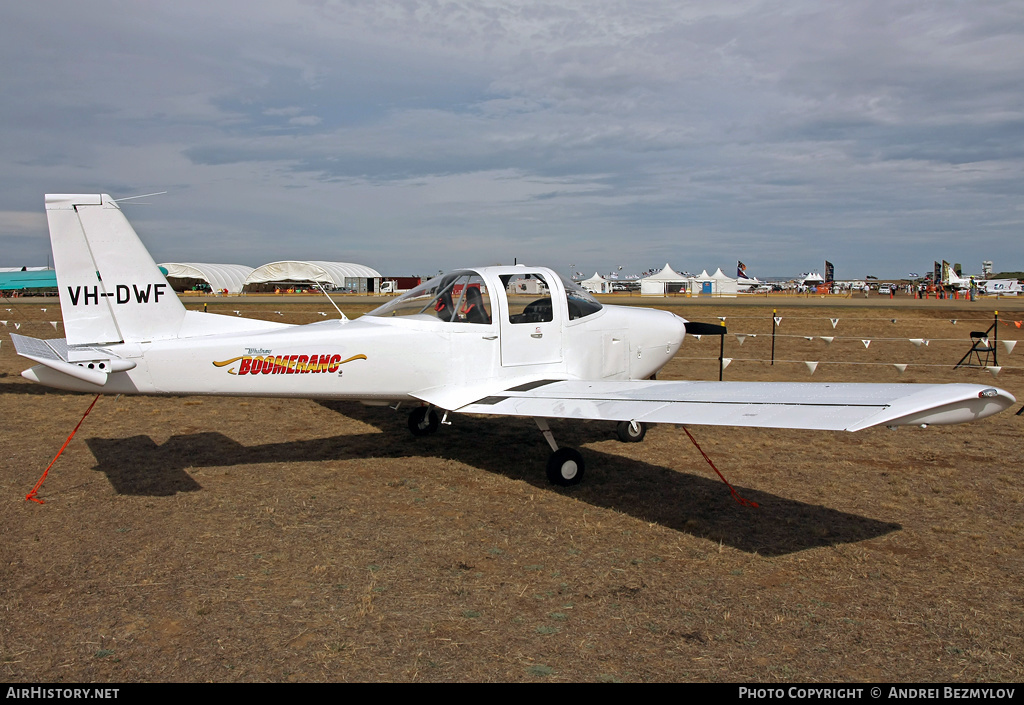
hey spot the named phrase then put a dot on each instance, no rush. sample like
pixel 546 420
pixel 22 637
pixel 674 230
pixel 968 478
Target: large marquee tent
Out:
pixel 667 280
pixel 723 284
pixel 597 284
pixel 338 275
pixel 27 278
pixel 218 276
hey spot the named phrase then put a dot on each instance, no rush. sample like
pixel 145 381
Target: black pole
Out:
pixel 995 341
pixel 721 356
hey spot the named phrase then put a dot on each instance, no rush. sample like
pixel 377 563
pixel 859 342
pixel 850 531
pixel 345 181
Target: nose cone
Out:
pixel 658 328
pixel 677 329
pixel 655 336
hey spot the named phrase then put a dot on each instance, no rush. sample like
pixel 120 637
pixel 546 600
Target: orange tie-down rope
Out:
pixel 735 495
pixel 31 496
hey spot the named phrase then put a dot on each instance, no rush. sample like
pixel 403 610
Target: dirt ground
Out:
pixel 224 539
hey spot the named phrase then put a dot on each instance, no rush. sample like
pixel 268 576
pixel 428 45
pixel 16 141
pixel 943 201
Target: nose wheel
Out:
pixel 631 431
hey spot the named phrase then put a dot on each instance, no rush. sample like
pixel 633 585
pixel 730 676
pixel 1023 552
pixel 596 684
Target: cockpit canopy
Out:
pixel 463 296
pixel 459 296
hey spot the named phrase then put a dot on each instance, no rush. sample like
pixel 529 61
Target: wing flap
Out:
pixel 754 404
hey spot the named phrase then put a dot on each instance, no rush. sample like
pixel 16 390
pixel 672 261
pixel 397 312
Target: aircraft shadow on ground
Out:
pixel 700 506
pixel 25 387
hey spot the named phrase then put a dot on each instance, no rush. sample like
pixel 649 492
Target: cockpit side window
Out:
pixel 529 298
pixel 474 304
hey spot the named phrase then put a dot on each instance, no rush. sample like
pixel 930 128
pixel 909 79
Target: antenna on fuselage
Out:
pixel 321 287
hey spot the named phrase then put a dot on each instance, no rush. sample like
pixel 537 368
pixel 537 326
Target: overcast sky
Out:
pixel 419 135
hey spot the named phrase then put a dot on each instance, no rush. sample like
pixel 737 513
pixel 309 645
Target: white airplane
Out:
pixel 1003 287
pixel 1007 287
pixel 517 341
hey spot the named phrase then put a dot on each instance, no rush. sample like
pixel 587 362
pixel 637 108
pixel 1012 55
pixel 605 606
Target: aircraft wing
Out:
pixel 835 407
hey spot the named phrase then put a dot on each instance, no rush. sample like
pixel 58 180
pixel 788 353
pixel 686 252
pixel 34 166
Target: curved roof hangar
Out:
pixel 218 276
pixel 334 273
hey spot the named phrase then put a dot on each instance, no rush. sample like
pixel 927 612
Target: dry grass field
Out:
pixel 224 539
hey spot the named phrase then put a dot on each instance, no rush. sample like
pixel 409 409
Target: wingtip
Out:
pixel 936 406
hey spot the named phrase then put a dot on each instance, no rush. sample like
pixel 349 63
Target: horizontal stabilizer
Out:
pixel 53 354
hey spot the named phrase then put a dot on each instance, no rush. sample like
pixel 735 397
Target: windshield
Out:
pixel 457 297
pixel 581 303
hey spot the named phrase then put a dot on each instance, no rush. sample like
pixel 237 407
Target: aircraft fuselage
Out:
pixel 384 359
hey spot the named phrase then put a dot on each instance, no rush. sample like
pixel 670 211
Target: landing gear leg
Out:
pixel 565 465
pixel 423 421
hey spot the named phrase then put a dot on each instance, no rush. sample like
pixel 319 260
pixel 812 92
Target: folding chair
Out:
pixel 979 344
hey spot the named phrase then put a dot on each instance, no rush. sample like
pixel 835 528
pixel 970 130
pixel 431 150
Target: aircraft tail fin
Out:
pixel 110 288
pixel 950 277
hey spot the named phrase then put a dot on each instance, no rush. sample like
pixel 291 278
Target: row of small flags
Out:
pixel 835 321
pixel 918 342
pixel 812 365
pixel 17 326
pixel 54 323
pixel 741 337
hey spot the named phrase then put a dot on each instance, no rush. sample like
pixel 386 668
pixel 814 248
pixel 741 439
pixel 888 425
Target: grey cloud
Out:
pixel 750 130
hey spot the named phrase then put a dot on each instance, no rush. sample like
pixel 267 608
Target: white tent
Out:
pixel 665 280
pixel 218 276
pixel 597 284
pixel 336 274
pixel 696 283
pixel 724 285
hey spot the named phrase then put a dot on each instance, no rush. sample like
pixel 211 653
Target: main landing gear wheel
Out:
pixel 565 467
pixel 423 421
pixel 628 434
